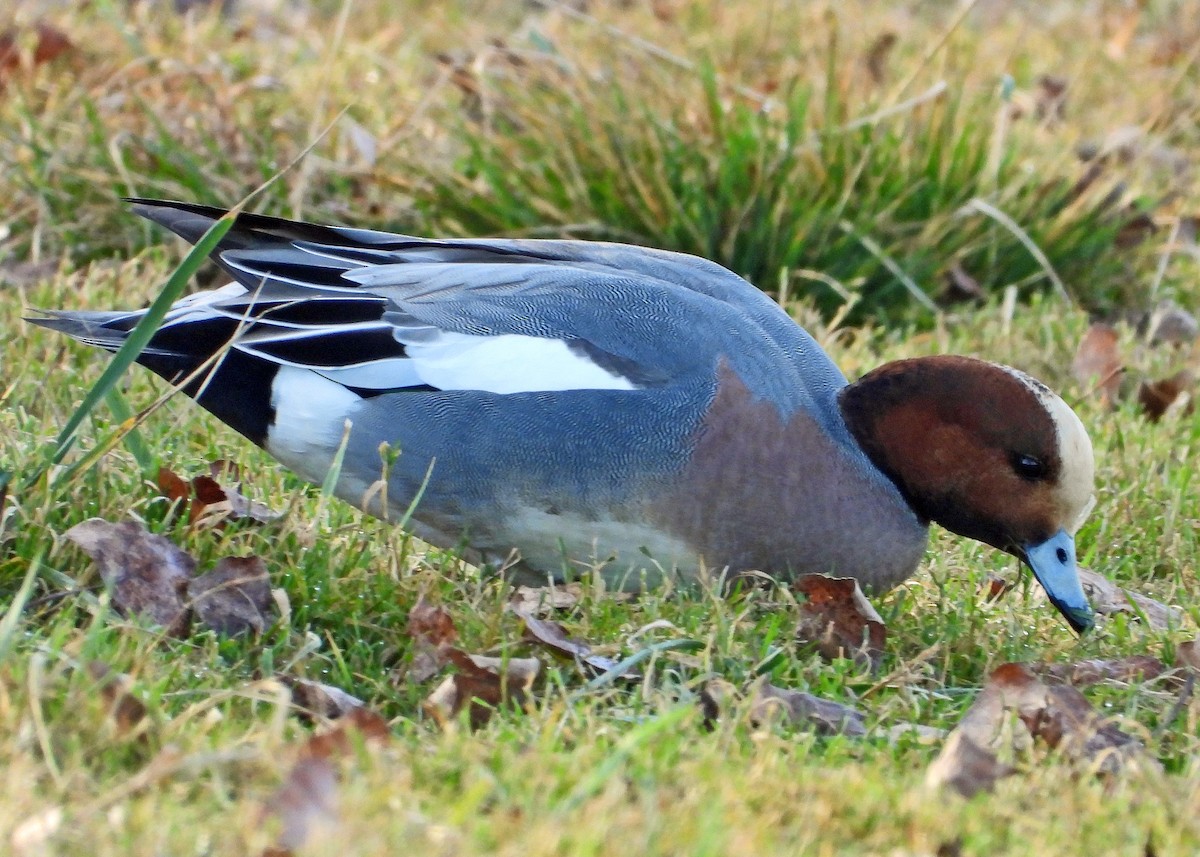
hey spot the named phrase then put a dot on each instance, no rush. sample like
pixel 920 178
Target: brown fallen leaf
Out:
pixel 996 587
pixel 146 574
pixel 235 597
pixel 1175 392
pixel 209 502
pixel 877 56
pixel 1188 655
pixel 25 274
pixel 1107 598
pixel 716 695
pixel 553 636
pixel 482 683
pixel 771 703
pixel 1171 324
pixel 1058 715
pixel 965 767
pixel 1088 672
pixel 839 621
pixel 48 43
pixel 1097 365
pixel 321 701
pixel 1051 99
pixel 306 803
pixel 116 689
pixel 961 286
pixel 544 600
pixel 432 631
pixel 361 722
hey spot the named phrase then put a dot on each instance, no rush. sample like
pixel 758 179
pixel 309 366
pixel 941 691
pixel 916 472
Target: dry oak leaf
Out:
pixel 235 597
pixel 47 41
pixel 544 600
pixel 306 803
pixel 1188 655
pixel 1108 598
pixel 432 631
pixel 321 701
pixel 146 574
pixel 1173 393
pixel 839 621
pixel 1058 715
pixel 803 709
pixel 208 501
pixel 1097 364
pixel 116 689
pixel 482 683
pixel 553 636
pixel 1093 671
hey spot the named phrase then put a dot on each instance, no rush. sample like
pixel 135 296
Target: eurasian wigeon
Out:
pixel 645 413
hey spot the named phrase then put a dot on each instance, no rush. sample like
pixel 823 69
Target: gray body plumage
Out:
pixel 704 431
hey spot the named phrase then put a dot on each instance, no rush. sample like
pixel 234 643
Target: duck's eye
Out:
pixel 1028 466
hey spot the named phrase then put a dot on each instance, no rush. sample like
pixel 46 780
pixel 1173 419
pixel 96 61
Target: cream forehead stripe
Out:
pixel 1076 481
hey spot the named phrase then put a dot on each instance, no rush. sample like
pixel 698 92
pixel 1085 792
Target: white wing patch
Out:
pixel 510 363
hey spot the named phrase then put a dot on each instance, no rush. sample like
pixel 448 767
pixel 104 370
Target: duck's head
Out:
pixel 987 452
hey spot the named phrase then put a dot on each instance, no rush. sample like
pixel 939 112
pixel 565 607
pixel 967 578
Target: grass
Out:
pixel 188 108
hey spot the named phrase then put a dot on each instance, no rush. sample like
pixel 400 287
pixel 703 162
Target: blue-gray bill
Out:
pixel 1053 564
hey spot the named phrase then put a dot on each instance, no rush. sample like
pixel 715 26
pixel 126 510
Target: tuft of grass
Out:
pixel 880 208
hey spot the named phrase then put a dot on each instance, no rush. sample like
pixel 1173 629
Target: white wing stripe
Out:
pixel 506 364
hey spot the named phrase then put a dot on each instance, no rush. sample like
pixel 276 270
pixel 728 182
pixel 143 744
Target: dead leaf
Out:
pixel 48 44
pixel 208 502
pixel 1088 672
pixel 146 574
pixel 839 620
pixel 1137 229
pixel 544 600
pixel 716 695
pixel 116 689
pixel 305 804
pixel 484 684
pixel 336 742
pixel 1169 394
pixel 553 636
pixel 803 709
pixel 877 57
pixel 961 286
pixel 321 701
pixel 1097 364
pixel 235 597
pixel 1107 598
pixel 1172 324
pixel 922 733
pixel 1058 715
pixel 1188 655
pixel 432 631
pixel 996 587
pixel 25 274
pixel 1051 100
pixel 965 767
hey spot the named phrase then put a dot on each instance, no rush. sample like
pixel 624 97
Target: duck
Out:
pixel 549 407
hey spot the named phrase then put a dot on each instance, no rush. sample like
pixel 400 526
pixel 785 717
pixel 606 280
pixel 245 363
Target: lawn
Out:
pixel 907 179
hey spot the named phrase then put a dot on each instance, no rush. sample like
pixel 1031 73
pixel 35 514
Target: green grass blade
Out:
pixel 12 616
pixel 134 441
pixel 140 336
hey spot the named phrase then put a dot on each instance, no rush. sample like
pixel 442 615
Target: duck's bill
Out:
pixel 1053 564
